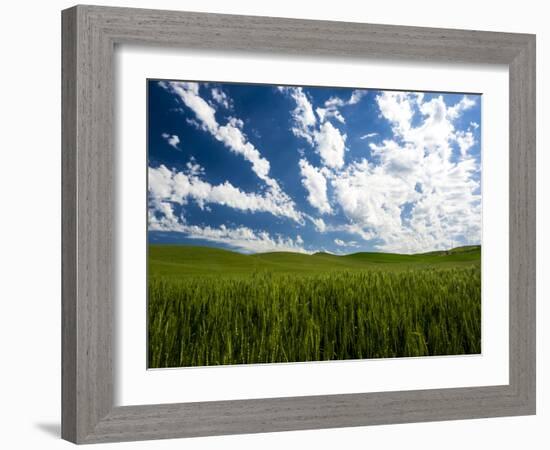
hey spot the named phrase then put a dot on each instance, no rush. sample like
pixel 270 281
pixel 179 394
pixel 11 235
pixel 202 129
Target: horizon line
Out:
pixel 309 254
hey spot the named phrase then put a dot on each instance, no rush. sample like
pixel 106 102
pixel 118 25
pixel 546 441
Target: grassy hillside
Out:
pixel 180 261
pixel 209 306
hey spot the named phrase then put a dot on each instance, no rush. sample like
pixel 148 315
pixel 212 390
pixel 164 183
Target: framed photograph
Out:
pixel 277 224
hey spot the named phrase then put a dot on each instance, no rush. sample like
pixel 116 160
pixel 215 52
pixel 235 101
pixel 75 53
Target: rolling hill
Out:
pixel 181 261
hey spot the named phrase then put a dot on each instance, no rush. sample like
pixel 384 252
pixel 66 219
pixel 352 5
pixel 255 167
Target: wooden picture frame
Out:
pixel 90 34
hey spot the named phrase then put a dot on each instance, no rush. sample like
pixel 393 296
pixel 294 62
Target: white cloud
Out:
pixel 193 123
pixel 372 198
pixel 245 239
pixel 342 243
pixel 172 139
pixel 321 112
pixel 465 141
pixel 233 137
pixel 161 217
pixel 411 197
pixel 240 238
pixel 333 103
pixel 221 98
pixel 169 186
pixel 193 168
pixel 417 192
pixel 356 96
pixel 188 93
pixel 368 135
pixel 395 159
pixel 331 145
pixel 230 134
pixel 328 141
pixel 302 115
pixel 354 228
pixel 397 109
pixel 328 113
pixel 464 104
pixel 436 130
pixel 319 223
pixel 316 185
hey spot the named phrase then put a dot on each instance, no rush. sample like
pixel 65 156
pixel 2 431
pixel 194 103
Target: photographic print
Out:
pixel 294 224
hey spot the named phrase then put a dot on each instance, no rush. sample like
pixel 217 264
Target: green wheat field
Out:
pixel 209 306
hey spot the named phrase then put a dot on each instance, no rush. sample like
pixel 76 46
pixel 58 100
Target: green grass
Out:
pixel 210 306
pixel 186 261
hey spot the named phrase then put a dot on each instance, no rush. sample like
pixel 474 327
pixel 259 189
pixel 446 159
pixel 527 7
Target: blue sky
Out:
pixel 257 168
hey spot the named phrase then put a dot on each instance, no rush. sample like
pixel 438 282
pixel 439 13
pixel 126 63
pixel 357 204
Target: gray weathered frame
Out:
pixel 89 36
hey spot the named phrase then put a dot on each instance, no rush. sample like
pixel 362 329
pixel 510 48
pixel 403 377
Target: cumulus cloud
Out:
pixel 418 191
pixel 319 224
pixel 303 116
pixel 230 134
pixel 331 145
pixel 331 106
pixel 327 140
pixel 397 109
pixel 188 93
pixel 172 139
pixel 464 104
pixel 412 197
pixel 240 238
pixel 356 96
pixel 329 113
pixel 193 123
pixel 316 185
pixel 342 243
pixel 465 141
pixel 245 239
pixel 161 217
pixel 169 186
pixel 221 98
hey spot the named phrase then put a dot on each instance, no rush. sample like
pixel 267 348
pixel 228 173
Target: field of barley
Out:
pixel 209 306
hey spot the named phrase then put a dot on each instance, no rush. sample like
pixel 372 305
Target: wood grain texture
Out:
pixel 87 209
pixel 68 226
pixel 522 194
pixel 89 36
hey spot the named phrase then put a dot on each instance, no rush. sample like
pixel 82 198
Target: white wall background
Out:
pixel 30 236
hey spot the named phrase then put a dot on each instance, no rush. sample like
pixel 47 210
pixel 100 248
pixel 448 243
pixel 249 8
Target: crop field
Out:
pixel 209 306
